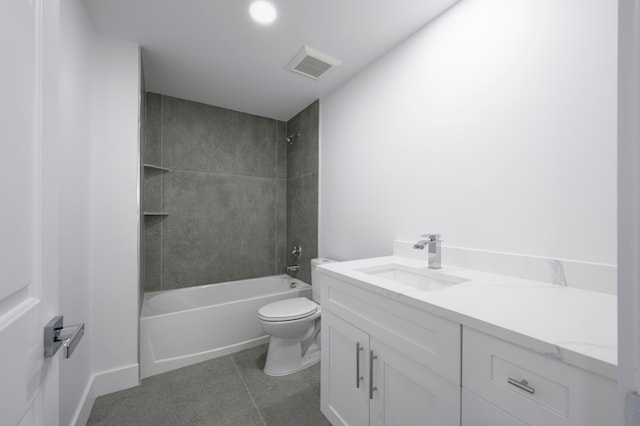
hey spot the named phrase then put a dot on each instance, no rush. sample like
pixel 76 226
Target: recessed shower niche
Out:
pixel 153 195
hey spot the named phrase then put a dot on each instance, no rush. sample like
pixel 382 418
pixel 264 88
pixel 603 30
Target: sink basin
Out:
pixel 421 278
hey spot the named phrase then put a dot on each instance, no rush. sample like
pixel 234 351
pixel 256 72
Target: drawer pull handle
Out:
pixel 358 376
pixel 522 384
pixel 372 388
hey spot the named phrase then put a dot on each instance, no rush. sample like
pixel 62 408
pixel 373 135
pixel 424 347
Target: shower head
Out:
pixel 292 138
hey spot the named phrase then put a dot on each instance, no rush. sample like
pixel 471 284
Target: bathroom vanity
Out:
pixel 407 345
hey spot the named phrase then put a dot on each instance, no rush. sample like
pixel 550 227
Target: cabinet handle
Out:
pixel 522 384
pixel 372 388
pixel 358 376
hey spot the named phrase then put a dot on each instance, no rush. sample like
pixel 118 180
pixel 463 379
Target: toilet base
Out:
pixel 285 356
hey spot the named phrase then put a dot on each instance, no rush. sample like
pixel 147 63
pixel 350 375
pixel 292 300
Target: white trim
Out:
pixel 115 380
pixel 81 416
pixel 320 173
pixel 35 289
pixel 628 202
pixel 102 384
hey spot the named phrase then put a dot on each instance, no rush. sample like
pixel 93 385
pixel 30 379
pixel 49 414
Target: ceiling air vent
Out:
pixel 311 63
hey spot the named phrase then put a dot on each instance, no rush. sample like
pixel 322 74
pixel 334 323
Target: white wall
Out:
pixel 495 125
pixel 74 159
pixel 114 208
pixel 97 171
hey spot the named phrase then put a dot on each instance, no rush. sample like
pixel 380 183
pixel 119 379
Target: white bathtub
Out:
pixel 185 326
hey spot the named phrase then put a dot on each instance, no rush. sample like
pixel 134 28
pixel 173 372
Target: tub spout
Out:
pixel 293 268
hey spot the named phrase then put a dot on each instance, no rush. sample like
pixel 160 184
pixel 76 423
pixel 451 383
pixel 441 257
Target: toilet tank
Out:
pixel 315 288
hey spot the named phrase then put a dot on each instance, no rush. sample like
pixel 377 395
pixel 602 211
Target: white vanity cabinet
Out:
pixel 386 363
pixel 397 350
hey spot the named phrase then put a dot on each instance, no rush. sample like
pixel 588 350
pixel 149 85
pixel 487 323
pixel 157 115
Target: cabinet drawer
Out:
pixel 478 412
pixel 534 388
pixel 428 339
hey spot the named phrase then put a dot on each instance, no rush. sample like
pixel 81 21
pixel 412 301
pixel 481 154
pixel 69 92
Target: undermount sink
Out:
pixel 420 278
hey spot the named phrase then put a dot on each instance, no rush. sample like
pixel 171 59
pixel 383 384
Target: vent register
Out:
pixel 311 63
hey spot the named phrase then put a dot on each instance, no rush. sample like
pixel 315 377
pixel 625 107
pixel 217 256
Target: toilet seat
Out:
pixel 288 309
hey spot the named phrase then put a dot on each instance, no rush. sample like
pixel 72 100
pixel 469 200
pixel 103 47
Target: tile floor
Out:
pixel 232 390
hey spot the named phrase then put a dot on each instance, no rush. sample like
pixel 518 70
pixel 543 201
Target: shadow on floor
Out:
pixel 232 390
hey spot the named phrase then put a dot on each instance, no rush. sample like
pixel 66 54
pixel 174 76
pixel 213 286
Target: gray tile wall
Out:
pixel 225 194
pixel 141 228
pixel 152 193
pixel 302 188
pixel 281 198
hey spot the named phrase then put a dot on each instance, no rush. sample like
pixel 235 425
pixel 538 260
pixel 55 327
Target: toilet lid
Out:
pixel 288 309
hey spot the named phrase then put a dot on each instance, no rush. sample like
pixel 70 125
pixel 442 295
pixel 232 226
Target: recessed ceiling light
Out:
pixel 263 12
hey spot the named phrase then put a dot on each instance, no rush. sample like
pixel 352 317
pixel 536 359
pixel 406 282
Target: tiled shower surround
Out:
pixel 225 193
pixel 302 187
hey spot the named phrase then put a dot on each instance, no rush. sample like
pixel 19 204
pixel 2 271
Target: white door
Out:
pixel 408 393
pixel 344 372
pixel 28 287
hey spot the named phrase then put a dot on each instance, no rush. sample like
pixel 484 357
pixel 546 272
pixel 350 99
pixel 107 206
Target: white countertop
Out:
pixel 576 326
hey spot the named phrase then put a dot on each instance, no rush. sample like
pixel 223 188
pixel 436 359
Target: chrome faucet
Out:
pixel 433 242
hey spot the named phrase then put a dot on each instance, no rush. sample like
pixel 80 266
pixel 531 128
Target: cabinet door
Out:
pixel 344 372
pixel 408 393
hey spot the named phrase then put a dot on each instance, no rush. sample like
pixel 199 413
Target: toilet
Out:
pixel 294 327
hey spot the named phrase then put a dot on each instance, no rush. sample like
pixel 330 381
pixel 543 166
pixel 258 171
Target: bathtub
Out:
pixel 186 326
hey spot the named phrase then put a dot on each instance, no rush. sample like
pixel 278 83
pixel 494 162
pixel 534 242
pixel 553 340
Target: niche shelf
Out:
pixel 154 167
pixel 149 166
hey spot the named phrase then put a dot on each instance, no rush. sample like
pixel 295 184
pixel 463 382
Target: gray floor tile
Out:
pixel 232 390
pixel 286 400
pixel 209 393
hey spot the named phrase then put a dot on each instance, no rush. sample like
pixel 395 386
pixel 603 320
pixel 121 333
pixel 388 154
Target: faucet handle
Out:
pixel 297 251
pixel 432 237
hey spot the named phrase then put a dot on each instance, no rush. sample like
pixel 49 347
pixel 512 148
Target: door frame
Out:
pixel 628 209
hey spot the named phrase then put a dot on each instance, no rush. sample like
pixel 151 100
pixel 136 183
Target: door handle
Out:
pixel 521 384
pixel 56 336
pixel 358 376
pixel 372 388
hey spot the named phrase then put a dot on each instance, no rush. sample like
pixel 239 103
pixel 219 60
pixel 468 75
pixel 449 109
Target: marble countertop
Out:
pixel 576 326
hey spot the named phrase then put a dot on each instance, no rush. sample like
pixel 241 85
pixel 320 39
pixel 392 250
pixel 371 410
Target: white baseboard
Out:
pixel 102 384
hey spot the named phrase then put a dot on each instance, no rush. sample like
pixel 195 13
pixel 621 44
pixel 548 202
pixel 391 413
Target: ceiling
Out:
pixel 211 51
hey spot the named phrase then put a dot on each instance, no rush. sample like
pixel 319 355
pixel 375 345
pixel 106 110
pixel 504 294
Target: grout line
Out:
pixel 223 174
pixel 302 175
pixel 161 187
pixel 233 361
pixel 286 201
pixel 275 243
